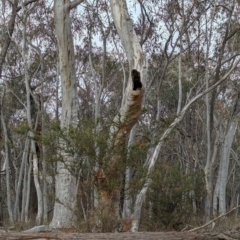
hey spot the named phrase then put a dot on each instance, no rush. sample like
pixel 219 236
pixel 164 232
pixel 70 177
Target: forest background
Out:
pixel 81 147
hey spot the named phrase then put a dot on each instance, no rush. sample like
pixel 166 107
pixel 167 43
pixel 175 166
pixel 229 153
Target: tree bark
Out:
pixel 8 34
pixel 20 177
pixel 66 184
pixel 6 139
pixel 221 183
pixel 129 111
pixel 135 55
pixel 127 200
pixel 28 186
pixel 219 197
pixel 30 120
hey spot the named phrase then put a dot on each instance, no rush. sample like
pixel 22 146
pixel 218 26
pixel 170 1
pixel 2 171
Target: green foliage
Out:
pixel 21 129
pixel 76 142
pixel 136 159
pixel 169 199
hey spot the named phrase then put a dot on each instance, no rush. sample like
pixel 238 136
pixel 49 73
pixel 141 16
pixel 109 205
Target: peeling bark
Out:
pixel 109 180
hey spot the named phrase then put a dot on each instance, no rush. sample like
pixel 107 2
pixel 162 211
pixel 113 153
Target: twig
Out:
pixel 206 224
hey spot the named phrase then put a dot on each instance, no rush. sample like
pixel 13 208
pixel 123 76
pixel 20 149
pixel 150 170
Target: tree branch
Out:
pixel 7 35
pixel 75 3
pixel 206 224
pixel 25 4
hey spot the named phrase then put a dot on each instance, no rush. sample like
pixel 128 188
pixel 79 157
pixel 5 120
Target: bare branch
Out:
pixel 25 4
pixel 75 3
pixel 149 20
pixel 206 224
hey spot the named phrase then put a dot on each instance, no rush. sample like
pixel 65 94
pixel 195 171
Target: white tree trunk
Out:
pixel 44 164
pixel 219 197
pixel 66 185
pixel 36 182
pixel 24 52
pixel 221 183
pixel 26 208
pixel 6 140
pixel 31 135
pixel 20 177
pixel 24 188
pixel 209 204
pixel 208 165
pixel 127 200
pixel 136 57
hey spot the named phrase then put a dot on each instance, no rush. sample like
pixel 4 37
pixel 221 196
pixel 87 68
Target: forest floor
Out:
pixel 230 235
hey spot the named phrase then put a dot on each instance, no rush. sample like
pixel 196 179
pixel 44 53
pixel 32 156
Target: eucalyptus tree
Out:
pixel 215 137
pixel 109 181
pixel 20 74
pixel 102 51
pixel 66 185
pixel 192 16
pixel 5 40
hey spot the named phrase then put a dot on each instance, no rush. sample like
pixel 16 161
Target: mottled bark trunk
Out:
pixel 66 185
pixel 110 181
pixel 208 175
pixel 136 57
pixel 219 198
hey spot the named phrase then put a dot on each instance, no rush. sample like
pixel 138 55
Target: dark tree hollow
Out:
pixel 136 79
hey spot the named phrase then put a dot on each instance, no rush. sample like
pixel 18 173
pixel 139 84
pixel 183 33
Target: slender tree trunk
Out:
pixel 209 201
pixel 97 94
pixel 43 131
pixel 24 189
pixel 7 159
pixel 127 200
pixel 208 165
pixel 20 177
pixel 29 171
pixel 30 123
pixel 36 183
pixel 224 164
pixel 180 69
